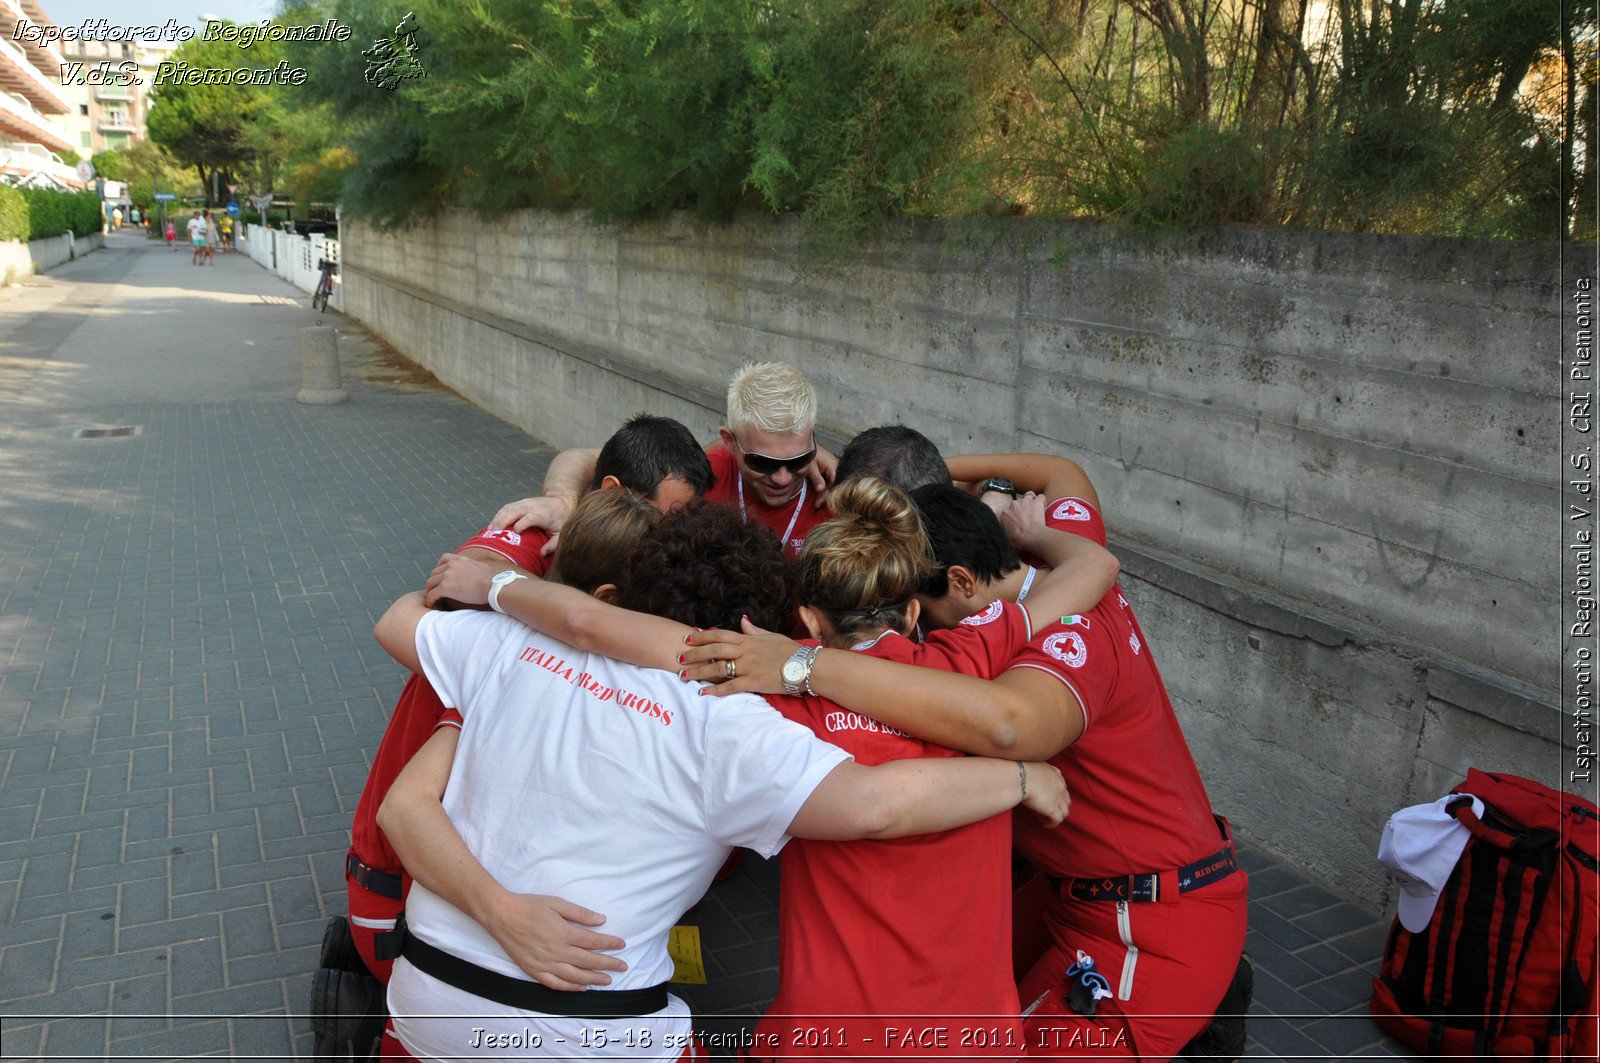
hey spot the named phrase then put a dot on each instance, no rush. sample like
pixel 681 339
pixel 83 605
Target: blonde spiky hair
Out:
pixel 773 397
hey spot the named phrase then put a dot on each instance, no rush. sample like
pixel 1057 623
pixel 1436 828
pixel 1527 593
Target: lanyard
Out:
pixel 805 485
pixel 1027 584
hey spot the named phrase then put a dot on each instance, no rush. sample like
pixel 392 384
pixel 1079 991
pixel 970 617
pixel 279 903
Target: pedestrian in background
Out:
pixel 197 238
pixel 213 237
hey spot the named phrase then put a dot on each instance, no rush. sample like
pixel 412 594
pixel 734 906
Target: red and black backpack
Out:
pixel 1508 967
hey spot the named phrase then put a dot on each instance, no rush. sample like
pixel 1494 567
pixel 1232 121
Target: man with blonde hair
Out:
pixel 766 461
pixel 768 448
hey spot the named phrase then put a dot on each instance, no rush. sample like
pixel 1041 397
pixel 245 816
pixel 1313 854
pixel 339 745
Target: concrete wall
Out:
pixel 1329 462
pixel 19 260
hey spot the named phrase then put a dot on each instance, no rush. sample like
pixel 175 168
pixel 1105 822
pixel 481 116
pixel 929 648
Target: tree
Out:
pixel 112 164
pixel 1372 115
pixel 148 169
pixel 297 145
pixel 207 126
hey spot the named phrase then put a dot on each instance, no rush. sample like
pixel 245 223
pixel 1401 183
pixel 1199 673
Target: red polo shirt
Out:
pixel 1138 802
pixel 903 930
pixel 790 522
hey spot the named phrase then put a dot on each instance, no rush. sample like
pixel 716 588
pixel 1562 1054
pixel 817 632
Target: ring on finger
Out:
pixel 732 670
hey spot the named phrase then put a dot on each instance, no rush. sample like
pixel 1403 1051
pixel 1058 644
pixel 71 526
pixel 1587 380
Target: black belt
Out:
pixel 524 994
pixel 1147 887
pixel 380 882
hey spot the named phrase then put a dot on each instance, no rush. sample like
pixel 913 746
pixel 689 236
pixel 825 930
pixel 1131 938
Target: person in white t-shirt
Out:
pixel 639 788
pixel 197 237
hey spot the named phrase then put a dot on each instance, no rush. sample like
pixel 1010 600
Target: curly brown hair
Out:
pixel 704 566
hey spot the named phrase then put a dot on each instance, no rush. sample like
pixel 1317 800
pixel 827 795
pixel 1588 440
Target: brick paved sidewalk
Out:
pixel 190 695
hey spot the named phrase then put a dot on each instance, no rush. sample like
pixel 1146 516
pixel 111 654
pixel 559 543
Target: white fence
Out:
pixel 293 257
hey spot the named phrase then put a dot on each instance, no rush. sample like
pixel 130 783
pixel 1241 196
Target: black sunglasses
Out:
pixel 762 465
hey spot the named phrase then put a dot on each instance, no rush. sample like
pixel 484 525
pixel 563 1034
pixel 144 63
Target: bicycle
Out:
pixel 319 298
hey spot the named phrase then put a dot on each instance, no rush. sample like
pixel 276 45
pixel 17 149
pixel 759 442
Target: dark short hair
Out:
pixel 962 531
pixel 903 456
pixel 647 450
pixel 705 566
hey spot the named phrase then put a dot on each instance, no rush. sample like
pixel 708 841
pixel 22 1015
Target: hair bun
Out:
pixel 863 566
pixel 875 501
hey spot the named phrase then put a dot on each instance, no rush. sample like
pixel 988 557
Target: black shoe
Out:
pixel 1224 1037
pixel 339 950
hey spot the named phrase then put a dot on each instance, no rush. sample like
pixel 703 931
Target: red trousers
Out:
pixel 1168 964
pixel 371 914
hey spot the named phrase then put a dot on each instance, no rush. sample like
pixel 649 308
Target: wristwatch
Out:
pixel 796 672
pixel 998 483
pixel 499 583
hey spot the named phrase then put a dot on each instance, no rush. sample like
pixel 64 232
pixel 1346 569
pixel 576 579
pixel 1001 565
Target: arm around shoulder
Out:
pixel 1022 714
pixel 570 472
pixel 396 630
pixel 1046 474
pixel 581 620
pixel 921 796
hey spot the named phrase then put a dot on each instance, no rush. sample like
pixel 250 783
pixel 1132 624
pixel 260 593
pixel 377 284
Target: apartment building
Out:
pixel 110 108
pixel 32 103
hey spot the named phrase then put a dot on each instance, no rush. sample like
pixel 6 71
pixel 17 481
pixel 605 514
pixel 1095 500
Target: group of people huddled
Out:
pixel 913 674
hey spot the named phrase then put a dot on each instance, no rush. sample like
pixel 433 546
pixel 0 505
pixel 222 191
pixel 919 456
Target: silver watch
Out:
pixel 796 671
pixel 499 583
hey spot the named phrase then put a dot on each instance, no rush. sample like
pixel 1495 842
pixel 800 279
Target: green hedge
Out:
pixel 13 214
pixel 34 213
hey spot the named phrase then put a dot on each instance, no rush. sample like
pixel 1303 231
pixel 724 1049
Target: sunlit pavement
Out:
pixel 190 694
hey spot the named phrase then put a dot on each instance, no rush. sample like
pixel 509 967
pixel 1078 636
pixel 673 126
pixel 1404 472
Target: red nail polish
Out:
pixel 681 656
pixel 686 640
pixel 683 673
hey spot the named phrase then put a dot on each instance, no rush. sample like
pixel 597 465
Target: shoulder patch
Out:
pixel 1077 620
pixel 1071 509
pixel 505 535
pixel 1068 648
pixel 988 616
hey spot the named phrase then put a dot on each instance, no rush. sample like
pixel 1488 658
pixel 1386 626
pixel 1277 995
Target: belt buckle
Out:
pixel 1128 889
pixel 1118 888
pixel 359 872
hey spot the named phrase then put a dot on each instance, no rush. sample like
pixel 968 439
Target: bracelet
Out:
pixel 1022 775
pixel 811 659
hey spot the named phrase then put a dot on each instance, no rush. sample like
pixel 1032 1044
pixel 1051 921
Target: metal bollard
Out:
pixel 319 367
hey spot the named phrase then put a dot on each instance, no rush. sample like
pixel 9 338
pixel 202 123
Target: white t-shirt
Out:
pixel 615 787
pixel 197 227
